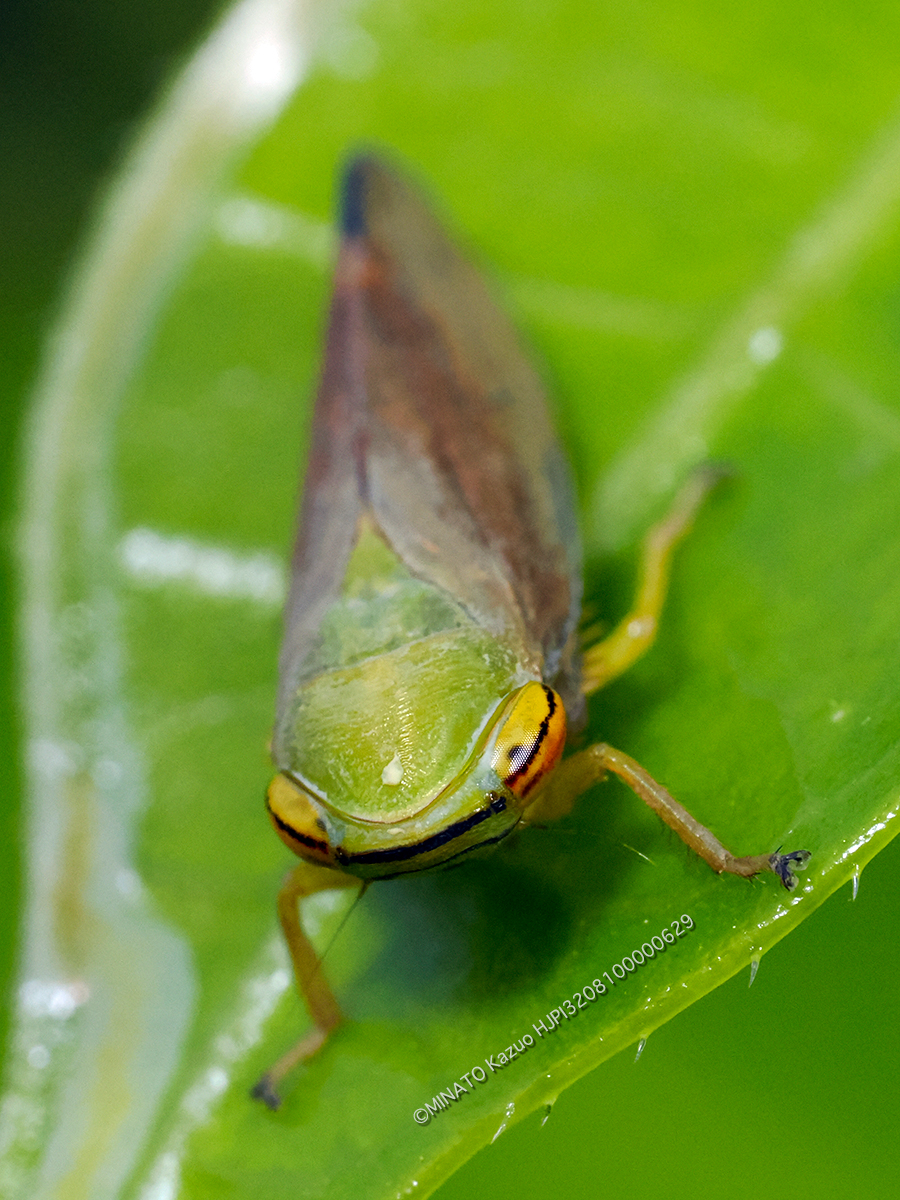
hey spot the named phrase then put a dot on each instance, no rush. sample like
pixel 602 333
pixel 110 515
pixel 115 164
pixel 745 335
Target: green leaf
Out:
pixel 700 237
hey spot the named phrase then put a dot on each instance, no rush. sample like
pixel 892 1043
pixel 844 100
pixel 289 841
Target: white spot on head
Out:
pixel 393 772
pixel 765 345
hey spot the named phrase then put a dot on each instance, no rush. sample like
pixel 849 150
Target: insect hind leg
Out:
pixel 576 774
pixel 634 635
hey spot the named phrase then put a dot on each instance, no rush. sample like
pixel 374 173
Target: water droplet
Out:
pixel 754 967
pixel 856 874
pixel 640 1048
pixel 548 1109
pixel 510 1109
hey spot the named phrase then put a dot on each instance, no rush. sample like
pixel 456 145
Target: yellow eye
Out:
pixel 297 822
pixel 531 741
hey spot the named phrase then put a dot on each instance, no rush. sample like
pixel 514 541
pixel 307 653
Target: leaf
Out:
pixel 742 309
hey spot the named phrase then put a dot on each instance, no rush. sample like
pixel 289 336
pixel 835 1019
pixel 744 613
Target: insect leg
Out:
pixel 635 633
pixel 305 879
pixel 576 774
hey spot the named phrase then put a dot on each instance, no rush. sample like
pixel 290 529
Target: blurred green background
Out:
pixel 792 1084
pixel 75 81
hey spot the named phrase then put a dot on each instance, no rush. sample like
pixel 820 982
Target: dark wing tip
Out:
pixel 784 866
pixel 355 194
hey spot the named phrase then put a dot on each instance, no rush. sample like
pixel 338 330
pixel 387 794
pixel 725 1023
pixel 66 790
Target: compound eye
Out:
pixel 531 740
pixel 297 821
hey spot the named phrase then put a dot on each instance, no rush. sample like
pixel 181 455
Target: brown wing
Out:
pixel 430 418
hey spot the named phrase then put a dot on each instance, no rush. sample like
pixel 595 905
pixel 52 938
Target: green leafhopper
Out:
pixel 432 666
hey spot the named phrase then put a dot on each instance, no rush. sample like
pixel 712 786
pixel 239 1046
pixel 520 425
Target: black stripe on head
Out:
pixel 454 860
pixel 496 805
pixel 302 838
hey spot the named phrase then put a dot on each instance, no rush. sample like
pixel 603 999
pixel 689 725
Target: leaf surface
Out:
pixel 727 292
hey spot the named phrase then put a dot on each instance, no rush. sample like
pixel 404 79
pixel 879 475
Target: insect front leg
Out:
pixel 305 879
pixel 635 634
pixel 576 774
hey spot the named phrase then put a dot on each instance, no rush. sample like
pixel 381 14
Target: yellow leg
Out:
pixel 609 658
pixel 576 774
pixel 305 879
pixel 635 634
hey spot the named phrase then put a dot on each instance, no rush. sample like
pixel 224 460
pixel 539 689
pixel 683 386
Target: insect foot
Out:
pixel 781 864
pixel 265 1091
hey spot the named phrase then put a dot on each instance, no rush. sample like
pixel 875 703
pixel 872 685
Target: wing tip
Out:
pixel 355 190
pixel 353 197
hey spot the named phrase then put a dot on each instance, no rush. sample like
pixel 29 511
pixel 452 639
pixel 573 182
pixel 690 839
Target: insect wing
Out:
pixel 430 420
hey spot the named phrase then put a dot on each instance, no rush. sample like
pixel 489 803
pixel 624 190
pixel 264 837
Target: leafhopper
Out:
pixel 432 666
